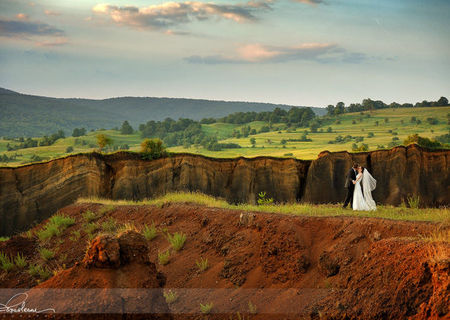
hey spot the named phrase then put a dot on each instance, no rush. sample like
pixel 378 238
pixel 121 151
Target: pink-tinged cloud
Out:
pixel 51 13
pixel 52 42
pixel 166 15
pixel 258 53
pixel 311 2
pixel 22 16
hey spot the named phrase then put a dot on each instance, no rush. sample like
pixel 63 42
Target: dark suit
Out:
pixel 351 175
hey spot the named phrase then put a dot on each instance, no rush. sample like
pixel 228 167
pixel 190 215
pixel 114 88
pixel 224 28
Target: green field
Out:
pixel 269 143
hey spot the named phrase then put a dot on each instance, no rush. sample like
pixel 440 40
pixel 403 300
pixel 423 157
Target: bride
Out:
pixel 364 201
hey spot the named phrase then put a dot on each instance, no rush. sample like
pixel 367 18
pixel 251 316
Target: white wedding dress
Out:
pixel 366 202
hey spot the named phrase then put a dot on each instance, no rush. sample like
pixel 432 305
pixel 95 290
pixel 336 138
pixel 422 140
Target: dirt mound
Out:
pixel 395 279
pixel 110 263
pixel 288 267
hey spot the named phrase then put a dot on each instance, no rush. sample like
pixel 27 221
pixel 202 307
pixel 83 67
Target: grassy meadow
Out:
pixel 399 125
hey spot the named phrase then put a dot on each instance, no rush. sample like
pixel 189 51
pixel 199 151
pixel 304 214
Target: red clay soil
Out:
pixel 303 267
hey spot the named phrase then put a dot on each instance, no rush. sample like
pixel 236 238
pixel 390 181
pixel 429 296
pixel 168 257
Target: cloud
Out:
pixel 53 42
pixel 51 13
pixel 25 28
pixel 22 16
pixel 311 2
pixel 258 53
pixel 169 14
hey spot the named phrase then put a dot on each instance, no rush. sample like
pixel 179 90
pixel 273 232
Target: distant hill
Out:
pixel 27 115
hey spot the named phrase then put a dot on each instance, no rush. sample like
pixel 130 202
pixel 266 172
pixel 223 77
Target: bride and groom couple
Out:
pixel 360 184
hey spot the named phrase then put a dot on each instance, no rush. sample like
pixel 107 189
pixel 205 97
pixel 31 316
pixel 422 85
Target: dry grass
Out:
pixel 300 209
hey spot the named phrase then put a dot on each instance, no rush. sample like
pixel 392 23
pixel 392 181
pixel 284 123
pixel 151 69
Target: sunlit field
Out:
pixel 399 126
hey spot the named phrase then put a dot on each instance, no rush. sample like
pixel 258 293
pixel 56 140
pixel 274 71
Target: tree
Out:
pixel 283 142
pixel 69 149
pixel 103 141
pixel 253 142
pixel 329 129
pixel 443 101
pixel 126 128
pixel 78 132
pixel 330 110
pixel 340 108
pixel 153 149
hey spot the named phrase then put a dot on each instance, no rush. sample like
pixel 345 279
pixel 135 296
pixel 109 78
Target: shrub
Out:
pixel 20 261
pixel 69 149
pixel 46 254
pixel 152 149
pixel 164 257
pixel 170 296
pixel 422 141
pixel 103 141
pixel 206 308
pixel 149 232
pixel 370 135
pixel 5 262
pixel 202 264
pixel 177 240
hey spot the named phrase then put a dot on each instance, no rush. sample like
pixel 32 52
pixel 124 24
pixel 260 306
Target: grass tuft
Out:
pixel 36 270
pixel 55 226
pixel 176 240
pixel 202 264
pixel 5 262
pixel 46 254
pixel 170 296
pixel 110 225
pixel 206 308
pixel 150 233
pixel 20 261
pixel 89 216
pixel 164 257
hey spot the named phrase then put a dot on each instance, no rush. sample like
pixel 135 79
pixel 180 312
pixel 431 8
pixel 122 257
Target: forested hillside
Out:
pixel 31 116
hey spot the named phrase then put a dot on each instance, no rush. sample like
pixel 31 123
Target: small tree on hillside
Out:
pixel 253 142
pixel 103 141
pixel 126 128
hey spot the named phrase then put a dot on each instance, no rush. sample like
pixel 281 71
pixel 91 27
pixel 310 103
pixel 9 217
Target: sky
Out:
pixel 298 52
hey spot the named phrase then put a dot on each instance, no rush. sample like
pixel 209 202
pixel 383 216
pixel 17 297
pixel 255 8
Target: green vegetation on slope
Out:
pixel 381 128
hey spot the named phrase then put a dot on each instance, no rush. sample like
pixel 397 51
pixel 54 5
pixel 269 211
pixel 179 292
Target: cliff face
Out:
pixel 34 192
pixel 400 172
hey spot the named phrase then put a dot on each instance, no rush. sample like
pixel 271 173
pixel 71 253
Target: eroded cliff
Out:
pixel 32 193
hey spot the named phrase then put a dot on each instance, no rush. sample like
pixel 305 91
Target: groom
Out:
pixel 351 176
